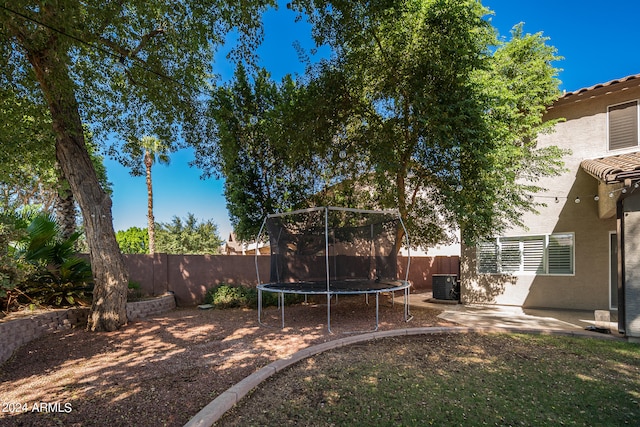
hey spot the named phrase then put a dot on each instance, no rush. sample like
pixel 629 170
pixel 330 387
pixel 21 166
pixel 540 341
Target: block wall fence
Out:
pixel 189 277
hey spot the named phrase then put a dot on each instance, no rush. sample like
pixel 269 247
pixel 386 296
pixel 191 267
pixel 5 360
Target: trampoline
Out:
pixel 333 251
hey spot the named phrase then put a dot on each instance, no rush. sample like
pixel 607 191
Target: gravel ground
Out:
pixel 163 370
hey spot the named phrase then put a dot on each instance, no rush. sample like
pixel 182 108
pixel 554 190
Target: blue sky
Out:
pixel 598 40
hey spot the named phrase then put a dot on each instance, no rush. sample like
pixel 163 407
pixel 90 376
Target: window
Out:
pixel 623 125
pixel 551 254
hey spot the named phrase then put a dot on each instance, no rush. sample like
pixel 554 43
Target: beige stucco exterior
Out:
pixel 585 133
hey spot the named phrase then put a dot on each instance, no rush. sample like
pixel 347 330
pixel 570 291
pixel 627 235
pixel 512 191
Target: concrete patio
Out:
pixel 514 317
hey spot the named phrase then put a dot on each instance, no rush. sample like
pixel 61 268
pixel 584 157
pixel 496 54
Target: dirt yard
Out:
pixel 163 370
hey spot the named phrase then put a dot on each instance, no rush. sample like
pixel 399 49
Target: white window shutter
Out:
pixel 560 252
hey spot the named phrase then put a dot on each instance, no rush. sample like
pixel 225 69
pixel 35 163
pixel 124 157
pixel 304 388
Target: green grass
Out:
pixel 448 380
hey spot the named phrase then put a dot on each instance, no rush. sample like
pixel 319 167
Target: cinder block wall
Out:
pixel 18 332
pixel 142 309
pixel 190 276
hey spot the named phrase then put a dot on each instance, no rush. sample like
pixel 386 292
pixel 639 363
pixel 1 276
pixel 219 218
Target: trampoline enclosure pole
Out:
pixel 326 257
pixel 257 249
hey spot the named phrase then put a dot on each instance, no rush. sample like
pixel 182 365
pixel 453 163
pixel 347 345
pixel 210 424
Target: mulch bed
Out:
pixel 163 370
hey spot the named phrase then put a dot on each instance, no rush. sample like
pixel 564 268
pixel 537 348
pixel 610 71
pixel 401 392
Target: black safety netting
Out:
pixel 356 248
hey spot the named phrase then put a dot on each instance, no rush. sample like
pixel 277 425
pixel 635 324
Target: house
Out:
pixel 582 251
pixel 233 246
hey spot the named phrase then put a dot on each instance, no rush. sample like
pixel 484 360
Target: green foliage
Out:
pixel 38 267
pixel 65 284
pixel 231 296
pixel 129 69
pixel 421 108
pixel 11 271
pixel 134 240
pixel 256 150
pixel 145 152
pixel 134 291
pixel 188 236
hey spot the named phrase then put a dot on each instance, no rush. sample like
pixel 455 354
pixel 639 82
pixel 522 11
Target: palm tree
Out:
pixel 154 151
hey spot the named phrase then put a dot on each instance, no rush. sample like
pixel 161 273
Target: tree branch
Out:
pixel 131 53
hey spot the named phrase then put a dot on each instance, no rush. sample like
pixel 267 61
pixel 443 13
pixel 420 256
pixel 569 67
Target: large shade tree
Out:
pixel 260 147
pixel 449 112
pixel 127 68
pixel 437 116
pixel 29 173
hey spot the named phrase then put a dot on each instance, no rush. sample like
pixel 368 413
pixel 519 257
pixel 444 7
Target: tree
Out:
pixel 125 68
pixel 133 240
pixel 29 173
pixel 436 114
pixel 189 236
pixel 150 150
pixel 259 149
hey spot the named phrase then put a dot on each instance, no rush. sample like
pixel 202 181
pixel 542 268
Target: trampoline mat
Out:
pixel 337 286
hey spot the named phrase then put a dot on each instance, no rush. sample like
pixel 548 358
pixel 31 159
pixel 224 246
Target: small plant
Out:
pixel 230 296
pixel 50 272
pixel 134 291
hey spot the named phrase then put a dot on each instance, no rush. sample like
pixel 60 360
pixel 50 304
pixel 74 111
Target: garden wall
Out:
pixel 189 276
pixel 16 332
pixel 19 331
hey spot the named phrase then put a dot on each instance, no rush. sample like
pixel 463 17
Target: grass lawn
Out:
pixel 446 380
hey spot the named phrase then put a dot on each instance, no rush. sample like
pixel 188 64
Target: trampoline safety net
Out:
pixel 333 245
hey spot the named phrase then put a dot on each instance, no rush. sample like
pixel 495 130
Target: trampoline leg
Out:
pixel 407 314
pixel 260 306
pixel 329 312
pixel 377 307
pixel 282 305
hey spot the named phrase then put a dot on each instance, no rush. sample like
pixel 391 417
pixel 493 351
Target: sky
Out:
pixel 598 40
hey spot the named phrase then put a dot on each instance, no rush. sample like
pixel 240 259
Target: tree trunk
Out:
pixel 108 310
pixel 65 207
pixel 148 162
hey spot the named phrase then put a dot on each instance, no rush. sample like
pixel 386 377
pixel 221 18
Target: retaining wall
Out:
pixel 17 332
pixel 141 309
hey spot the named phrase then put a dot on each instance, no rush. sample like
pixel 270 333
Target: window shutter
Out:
pixel 560 254
pixel 623 125
pixel 533 254
pixel 487 256
pixel 510 255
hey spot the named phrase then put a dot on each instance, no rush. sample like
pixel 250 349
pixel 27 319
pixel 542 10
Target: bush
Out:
pixel 38 266
pixel 134 292
pixel 230 296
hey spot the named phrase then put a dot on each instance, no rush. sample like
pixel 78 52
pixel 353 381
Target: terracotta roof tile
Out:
pixel 601 85
pixel 614 168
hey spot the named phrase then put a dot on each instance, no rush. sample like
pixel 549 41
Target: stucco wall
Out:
pixel 632 265
pixel 584 133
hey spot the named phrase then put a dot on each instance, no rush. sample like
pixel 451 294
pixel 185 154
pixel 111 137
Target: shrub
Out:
pixel 134 292
pixel 39 267
pixel 230 296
